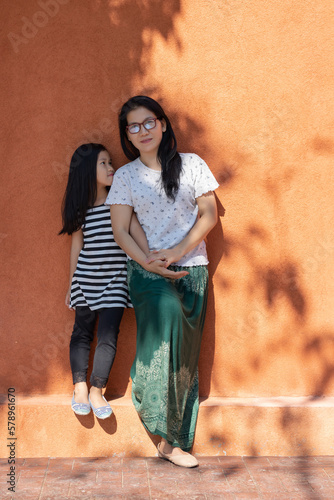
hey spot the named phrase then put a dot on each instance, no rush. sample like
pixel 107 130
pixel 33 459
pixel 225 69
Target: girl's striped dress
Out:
pixel 100 279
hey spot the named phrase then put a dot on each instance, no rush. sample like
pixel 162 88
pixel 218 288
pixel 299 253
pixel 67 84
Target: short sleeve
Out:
pixel 120 190
pixel 204 180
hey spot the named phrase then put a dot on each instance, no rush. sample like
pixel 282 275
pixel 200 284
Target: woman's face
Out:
pixel 146 141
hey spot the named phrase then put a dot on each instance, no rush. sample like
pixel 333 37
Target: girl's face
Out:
pixel 146 141
pixel 104 170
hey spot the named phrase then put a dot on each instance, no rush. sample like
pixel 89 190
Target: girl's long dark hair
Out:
pixel 81 189
pixel 170 160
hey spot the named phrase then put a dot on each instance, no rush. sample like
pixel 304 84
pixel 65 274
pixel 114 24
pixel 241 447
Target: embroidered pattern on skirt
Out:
pixel 151 402
pixel 170 318
pixel 193 281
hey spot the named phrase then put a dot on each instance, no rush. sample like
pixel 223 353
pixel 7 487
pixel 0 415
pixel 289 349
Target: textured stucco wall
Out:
pixel 249 87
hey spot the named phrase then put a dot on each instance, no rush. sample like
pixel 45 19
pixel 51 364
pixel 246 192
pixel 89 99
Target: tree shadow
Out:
pixel 125 36
pixel 284 281
pixel 276 288
pixel 216 250
pixel 85 89
pixel 318 353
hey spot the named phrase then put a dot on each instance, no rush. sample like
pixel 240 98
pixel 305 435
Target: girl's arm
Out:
pixel 207 210
pixel 76 246
pixel 121 220
pixel 138 234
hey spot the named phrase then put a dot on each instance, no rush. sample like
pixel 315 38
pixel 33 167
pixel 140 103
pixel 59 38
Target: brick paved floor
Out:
pixel 152 478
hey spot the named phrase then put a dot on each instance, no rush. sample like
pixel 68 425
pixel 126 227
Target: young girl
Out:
pixel 172 195
pixel 97 286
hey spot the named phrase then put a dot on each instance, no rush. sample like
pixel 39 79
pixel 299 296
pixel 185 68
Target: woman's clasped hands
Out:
pixel 158 262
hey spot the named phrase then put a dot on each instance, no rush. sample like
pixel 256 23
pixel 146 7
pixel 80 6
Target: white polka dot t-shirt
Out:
pixel 165 222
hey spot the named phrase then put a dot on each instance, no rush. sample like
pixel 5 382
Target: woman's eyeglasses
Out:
pixel 148 124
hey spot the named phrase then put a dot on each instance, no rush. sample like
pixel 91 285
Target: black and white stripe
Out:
pixel 100 277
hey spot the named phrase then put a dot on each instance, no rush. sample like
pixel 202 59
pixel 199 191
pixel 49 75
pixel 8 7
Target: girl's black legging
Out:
pixel 82 336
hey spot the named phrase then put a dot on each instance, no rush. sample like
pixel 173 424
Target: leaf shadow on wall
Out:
pixel 85 61
pixel 125 33
pixel 277 290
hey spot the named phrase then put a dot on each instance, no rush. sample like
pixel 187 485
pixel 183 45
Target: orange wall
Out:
pixel 249 87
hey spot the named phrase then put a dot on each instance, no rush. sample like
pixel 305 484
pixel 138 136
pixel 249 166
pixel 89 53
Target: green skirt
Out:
pixel 170 317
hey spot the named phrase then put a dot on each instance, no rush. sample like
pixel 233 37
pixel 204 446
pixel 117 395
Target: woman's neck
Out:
pixel 151 161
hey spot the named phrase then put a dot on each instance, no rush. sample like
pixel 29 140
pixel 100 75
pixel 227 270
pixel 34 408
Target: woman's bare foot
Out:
pixel 81 393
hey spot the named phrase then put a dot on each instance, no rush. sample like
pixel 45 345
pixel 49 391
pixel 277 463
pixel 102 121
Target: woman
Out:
pixel 172 196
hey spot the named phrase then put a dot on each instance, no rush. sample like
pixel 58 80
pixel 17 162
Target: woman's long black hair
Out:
pixel 81 189
pixel 168 156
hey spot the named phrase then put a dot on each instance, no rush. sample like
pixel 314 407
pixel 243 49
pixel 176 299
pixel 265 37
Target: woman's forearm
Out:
pixel 138 234
pixel 208 217
pixel 198 232
pixel 130 247
pixel 121 222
